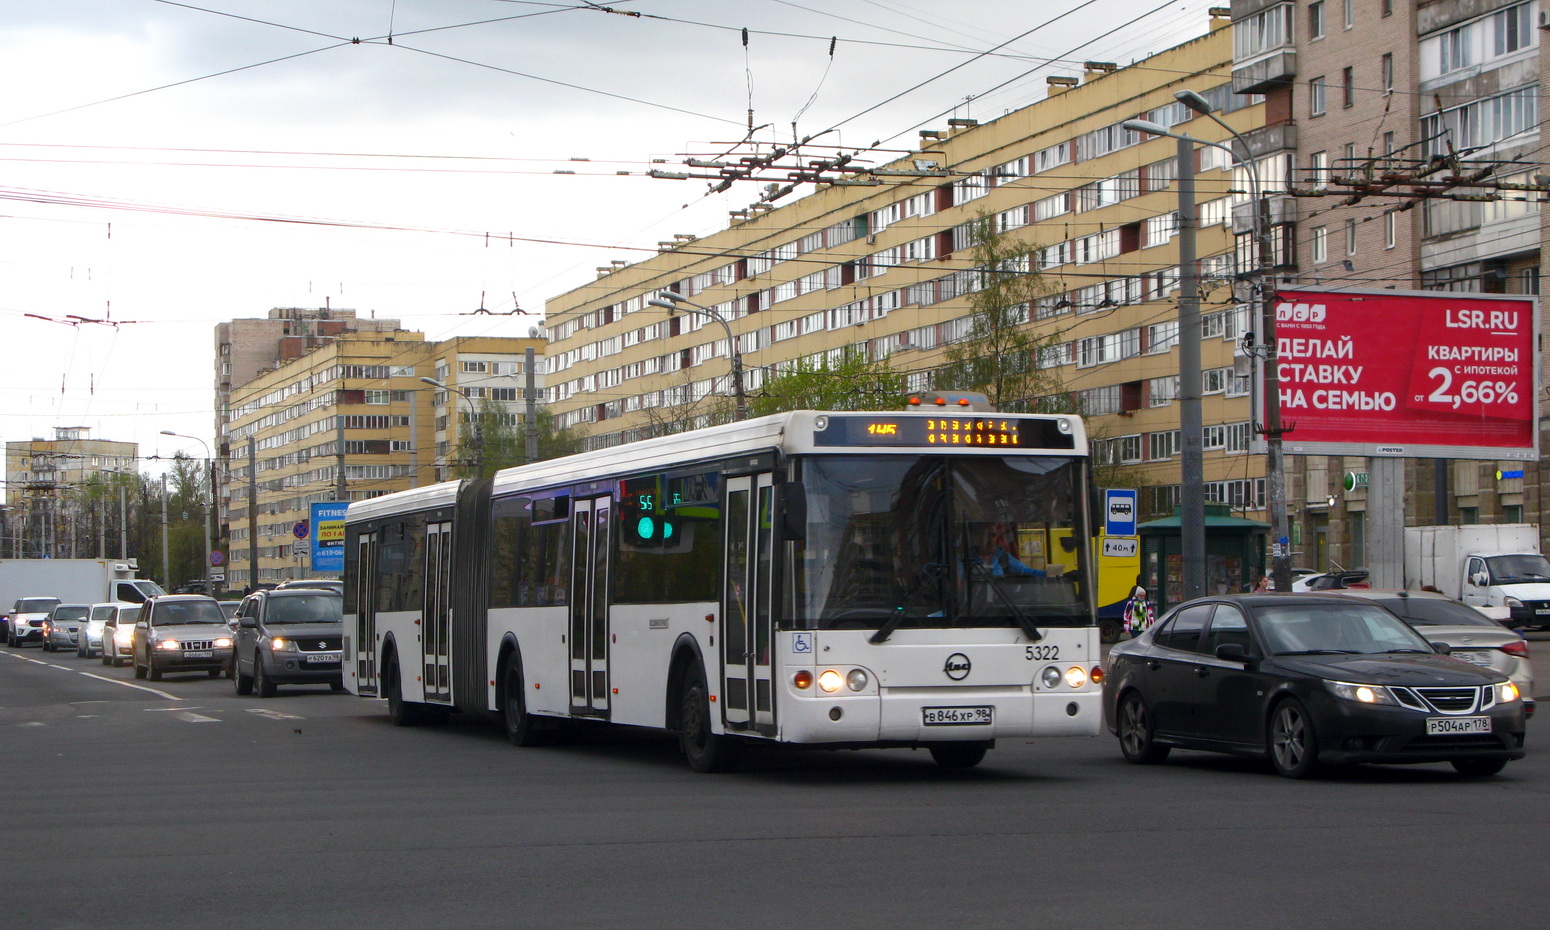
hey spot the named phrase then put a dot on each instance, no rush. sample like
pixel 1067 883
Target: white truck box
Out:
pixel 1497 568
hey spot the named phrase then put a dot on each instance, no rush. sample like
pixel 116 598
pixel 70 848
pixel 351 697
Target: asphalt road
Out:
pixel 176 804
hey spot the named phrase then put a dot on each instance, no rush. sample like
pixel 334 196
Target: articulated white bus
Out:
pixel 904 579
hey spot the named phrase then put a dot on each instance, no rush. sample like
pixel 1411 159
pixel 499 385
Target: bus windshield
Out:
pixel 898 542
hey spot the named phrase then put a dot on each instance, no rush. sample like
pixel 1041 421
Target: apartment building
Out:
pixel 38 473
pixel 1360 90
pixel 351 419
pixel 886 271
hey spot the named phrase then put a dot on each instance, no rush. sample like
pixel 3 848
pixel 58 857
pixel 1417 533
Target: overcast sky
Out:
pixel 154 155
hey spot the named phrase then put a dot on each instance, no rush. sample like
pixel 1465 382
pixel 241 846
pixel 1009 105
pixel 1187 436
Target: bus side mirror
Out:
pixel 791 499
pixel 1095 510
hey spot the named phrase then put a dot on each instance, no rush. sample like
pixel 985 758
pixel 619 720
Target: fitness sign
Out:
pixel 1408 373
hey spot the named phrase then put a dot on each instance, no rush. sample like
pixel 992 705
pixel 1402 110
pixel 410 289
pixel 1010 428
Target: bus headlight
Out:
pixel 1076 677
pixel 856 680
pixel 1050 676
pixel 829 680
pixel 803 679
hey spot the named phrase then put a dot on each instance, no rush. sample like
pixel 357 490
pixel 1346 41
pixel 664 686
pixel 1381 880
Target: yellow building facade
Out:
pixel 285 426
pixel 885 271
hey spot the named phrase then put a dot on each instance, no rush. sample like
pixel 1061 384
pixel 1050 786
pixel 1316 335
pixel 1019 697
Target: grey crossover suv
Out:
pixel 288 636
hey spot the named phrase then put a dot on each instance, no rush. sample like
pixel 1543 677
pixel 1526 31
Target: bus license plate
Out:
pixel 323 657
pixel 1445 726
pixel 957 716
pixel 206 654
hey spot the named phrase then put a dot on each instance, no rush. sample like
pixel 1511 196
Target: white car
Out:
pixel 1330 581
pixel 1470 634
pixel 25 622
pixel 89 644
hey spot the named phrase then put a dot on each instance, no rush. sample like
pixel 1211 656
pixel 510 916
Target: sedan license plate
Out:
pixel 203 654
pixel 1472 656
pixel 957 716
pixel 1447 726
pixel 1542 610
pixel 323 657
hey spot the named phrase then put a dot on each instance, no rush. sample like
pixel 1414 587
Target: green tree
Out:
pixel 853 382
pixel 1000 355
pixel 503 439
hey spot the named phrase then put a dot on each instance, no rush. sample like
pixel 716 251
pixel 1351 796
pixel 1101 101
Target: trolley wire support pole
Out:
pixel 1192 505
pixel 671 300
pixel 1192 498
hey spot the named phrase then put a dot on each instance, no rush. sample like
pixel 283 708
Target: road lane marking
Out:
pixel 274 714
pixel 130 684
pixel 192 717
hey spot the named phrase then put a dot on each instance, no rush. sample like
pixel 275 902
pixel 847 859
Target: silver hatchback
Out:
pixel 63 626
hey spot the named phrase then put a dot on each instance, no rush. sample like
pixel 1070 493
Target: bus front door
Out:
pixel 589 607
pixel 436 612
pixel 365 607
pixel 747 627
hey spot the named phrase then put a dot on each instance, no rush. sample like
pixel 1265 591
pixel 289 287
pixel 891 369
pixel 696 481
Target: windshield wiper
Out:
pixel 929 572
pixel 1023 620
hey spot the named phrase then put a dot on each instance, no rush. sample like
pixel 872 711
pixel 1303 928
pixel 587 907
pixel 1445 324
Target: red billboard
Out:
pixel 1408 373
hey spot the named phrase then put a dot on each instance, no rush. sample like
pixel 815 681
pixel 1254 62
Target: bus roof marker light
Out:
pixel 1063 424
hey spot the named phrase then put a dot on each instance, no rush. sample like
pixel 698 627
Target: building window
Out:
pixel 1350 13
pixel 1388 72
pixel 1320 244
pixel 1388 7
pixel 1469 516
pixel 1388 229
pixel 1347 86
pixel 1316 20
pixel 1350 237
pixel 1529 278
pixel 1317 88
pixel 1318 170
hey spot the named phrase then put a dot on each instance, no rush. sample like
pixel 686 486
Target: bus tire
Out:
pixel 960 755
pixel 403 713
pixel 522 728
pixel 706 751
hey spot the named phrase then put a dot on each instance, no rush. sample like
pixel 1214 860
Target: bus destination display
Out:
pixel 938 431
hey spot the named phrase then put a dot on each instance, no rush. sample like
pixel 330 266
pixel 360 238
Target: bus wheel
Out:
pixel 705 751
pixel 522 728
pixel 1110 631
pixel 403 713
pixel 959 755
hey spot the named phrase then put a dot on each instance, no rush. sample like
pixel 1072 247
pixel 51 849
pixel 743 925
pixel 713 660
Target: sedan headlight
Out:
pixel 167 644
pixel 281 644
pixel 124 635
pixel 1507 692
pixel 223 643
pixel 1361 694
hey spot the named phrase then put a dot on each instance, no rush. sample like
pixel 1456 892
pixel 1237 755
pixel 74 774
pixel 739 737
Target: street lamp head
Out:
pixel 669 306
pixel 674 296
pixel 1146 126
pixel 1194 101
pixel 434 383
pixel 168 432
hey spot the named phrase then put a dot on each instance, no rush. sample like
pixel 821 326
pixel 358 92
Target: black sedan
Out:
pixel 1309 680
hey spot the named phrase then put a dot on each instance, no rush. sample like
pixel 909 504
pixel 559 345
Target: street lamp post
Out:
pixel 1275 472
pixel 473 415
pixel 1263 310
pixel 209 533
pixel 670 301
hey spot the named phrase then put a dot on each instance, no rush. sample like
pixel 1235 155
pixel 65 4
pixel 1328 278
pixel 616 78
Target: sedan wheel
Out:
pixel 1136 739
pixel 1478 768
pixel 1294 749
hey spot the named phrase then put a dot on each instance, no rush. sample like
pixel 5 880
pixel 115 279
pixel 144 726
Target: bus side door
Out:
pixel 747 618
pixel 436 612
pixel 589 607
pixel 365 607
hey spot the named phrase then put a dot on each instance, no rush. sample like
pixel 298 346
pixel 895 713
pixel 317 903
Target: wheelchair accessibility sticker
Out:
pixel 802 642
